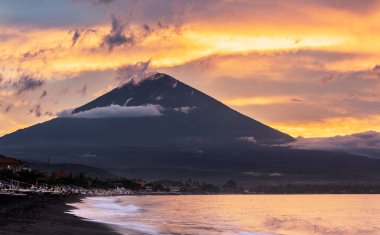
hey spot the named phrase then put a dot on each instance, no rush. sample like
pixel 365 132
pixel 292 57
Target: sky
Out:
pixel 307 68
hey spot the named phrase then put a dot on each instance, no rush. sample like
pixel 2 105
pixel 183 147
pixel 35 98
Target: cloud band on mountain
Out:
pixel 116 111
pixel 365 143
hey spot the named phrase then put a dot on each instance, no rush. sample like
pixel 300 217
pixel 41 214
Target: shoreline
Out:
pixel 45 216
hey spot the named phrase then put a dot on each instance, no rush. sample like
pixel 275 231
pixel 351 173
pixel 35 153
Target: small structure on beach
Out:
pixel 10 164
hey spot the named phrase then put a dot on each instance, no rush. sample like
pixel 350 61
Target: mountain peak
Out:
pixel 156 76
pixel 158 88
pixel 161 77
pixel 182 105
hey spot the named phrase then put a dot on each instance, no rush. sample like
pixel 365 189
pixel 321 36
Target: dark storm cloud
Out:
pixel 117 37
pixel 75 37
pixel 26 83
pixel 79 33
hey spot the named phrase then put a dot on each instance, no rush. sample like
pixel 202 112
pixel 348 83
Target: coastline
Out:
pixel 45 216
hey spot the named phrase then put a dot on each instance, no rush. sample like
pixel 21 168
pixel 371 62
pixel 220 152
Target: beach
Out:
pixel 42 215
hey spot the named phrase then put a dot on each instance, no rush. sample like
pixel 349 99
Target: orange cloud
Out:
pixel 247 101
pixel 51 53
pixel 330 126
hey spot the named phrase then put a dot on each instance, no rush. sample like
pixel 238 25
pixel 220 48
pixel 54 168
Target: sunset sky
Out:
pixel 307 68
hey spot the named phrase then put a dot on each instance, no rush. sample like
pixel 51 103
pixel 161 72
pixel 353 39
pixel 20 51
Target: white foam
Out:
pixel 111 211
pixel 117 207
pixel 111 203
pixel 147 229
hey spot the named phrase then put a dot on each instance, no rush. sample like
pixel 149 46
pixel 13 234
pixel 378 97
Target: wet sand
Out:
pixel 45 216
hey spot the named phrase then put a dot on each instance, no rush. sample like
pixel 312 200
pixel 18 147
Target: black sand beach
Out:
pixel 44 216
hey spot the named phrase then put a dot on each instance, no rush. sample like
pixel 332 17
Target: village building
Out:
pixel 10 164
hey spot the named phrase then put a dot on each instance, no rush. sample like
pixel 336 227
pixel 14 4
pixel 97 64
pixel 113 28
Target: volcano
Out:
pixel 158 111
pixel 160 127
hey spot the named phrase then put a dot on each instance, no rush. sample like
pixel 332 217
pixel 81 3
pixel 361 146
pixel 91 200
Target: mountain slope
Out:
pixel 187 119
pixel 204 113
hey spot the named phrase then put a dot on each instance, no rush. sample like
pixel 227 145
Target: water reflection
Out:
pixel 237 214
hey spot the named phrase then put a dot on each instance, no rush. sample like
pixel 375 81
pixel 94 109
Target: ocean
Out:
pixel 235 214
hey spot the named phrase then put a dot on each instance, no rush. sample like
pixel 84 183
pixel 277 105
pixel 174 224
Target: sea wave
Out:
pixel 117 207
pixel 138 227
pixel 113 204
pixel 111 211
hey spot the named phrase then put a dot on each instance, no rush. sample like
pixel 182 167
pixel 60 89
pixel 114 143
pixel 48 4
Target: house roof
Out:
pixel 8 160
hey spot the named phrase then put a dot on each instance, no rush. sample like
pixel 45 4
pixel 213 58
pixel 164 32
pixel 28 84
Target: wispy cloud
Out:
pixel 328 78
pixel 44 93
pixel 135 72
pixel 82 91
pixel 185 109
pixel 8 108
pixel 116 111
pixel 260 100
pixel 249 139
pixel 75 37
pixel 36 110
pixel 26 83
